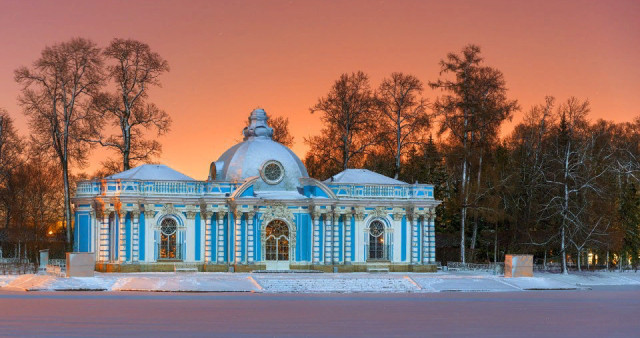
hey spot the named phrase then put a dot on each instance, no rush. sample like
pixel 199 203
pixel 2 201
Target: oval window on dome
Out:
pixel 272 172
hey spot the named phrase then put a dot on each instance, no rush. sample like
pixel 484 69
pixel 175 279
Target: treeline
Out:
pixel 560 186
pixel 76 96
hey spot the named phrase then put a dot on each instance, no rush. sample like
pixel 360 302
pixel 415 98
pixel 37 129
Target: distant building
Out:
pixel 259 209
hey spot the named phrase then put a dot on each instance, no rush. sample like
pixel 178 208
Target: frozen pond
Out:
pixel 601 312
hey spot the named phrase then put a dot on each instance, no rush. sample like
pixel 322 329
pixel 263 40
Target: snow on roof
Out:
pixel 279 195
pixel 361 176
pixel 151 172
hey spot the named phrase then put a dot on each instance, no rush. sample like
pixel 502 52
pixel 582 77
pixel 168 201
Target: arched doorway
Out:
pixel 168 248
pixel 277 247
pixel 377 248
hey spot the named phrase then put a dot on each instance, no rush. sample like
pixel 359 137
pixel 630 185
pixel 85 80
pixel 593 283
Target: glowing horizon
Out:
pixel 228 58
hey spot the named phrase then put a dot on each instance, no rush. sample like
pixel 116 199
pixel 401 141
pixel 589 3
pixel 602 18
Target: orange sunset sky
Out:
pixel 230 57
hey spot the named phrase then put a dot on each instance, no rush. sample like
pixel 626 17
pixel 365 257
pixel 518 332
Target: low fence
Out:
pixel 497 268
pixel 57 267
pixel 557 267
pixel 14 266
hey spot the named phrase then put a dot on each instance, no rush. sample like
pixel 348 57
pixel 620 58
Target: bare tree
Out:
pixel 281 133
pixel 133 68
pixel 573 166
pixel 472 111
pixel 347 112
pixel 55 95
pixel 403 114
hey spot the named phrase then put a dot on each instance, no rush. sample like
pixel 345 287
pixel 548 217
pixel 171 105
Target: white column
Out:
pixel 220 238
pixel 336 238
pixel 122 241
pixel 415 237
pixel 432 244
pixel 104 237
pixel 361 238
pixel 425 241
pixel 149 236
pixel 190 235
pixel 135 236
pixel 208 243
pixel 328 235
pixel 346 220
pixel 238 236
pixel 250 237
pixel 316 237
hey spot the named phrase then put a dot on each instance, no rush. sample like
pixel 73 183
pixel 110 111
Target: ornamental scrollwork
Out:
pixel 379 212
pixel 277 211
pixel 169 209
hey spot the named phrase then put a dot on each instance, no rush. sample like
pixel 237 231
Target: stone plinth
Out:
pixel 44 261
pixel 80 264
pixel 518 266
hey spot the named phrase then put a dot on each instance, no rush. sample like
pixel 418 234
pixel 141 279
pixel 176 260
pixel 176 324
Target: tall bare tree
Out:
pixel 348 115
pixel 471 112
pixel 134 68
pixel 403 114
pixel 55 97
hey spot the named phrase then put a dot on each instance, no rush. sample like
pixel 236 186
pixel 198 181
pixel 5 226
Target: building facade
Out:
pixel 259 209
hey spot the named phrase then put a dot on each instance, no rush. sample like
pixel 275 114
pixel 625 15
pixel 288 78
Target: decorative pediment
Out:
pixel 169 209
pixel 379 212
pixel 277 211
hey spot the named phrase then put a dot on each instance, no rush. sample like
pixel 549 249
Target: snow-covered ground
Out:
pixel 317 282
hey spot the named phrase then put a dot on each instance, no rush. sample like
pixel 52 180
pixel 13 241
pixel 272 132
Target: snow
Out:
pixel 285 195
pixel 245 160
pixel 336 283
pixel 361 176
pixel 151 172
pixel 186 282
pixel 472 283
pixel 317 282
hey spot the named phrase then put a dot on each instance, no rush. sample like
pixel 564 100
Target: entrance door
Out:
pixel 377 247
pixel 277 245
pixel 168 248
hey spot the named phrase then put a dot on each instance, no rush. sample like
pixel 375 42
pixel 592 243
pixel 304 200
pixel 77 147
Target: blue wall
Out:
pixel 198 234
pixel 82 232
pixel 128 234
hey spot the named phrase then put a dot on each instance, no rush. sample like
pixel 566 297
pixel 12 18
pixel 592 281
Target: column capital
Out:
pixel 148 214
pixel 358 212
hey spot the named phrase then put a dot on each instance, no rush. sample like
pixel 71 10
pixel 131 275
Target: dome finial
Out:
pixel 258 126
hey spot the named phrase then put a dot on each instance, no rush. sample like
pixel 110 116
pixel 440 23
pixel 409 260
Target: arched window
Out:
pixel 377 248
pixel 277 241
pixel 168 248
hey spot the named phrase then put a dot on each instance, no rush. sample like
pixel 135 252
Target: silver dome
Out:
pixel 246 159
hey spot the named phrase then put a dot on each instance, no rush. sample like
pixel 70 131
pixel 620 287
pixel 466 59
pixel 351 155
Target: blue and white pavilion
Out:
pixel 259 209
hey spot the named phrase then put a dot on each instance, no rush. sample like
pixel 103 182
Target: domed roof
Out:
pixel 259 155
